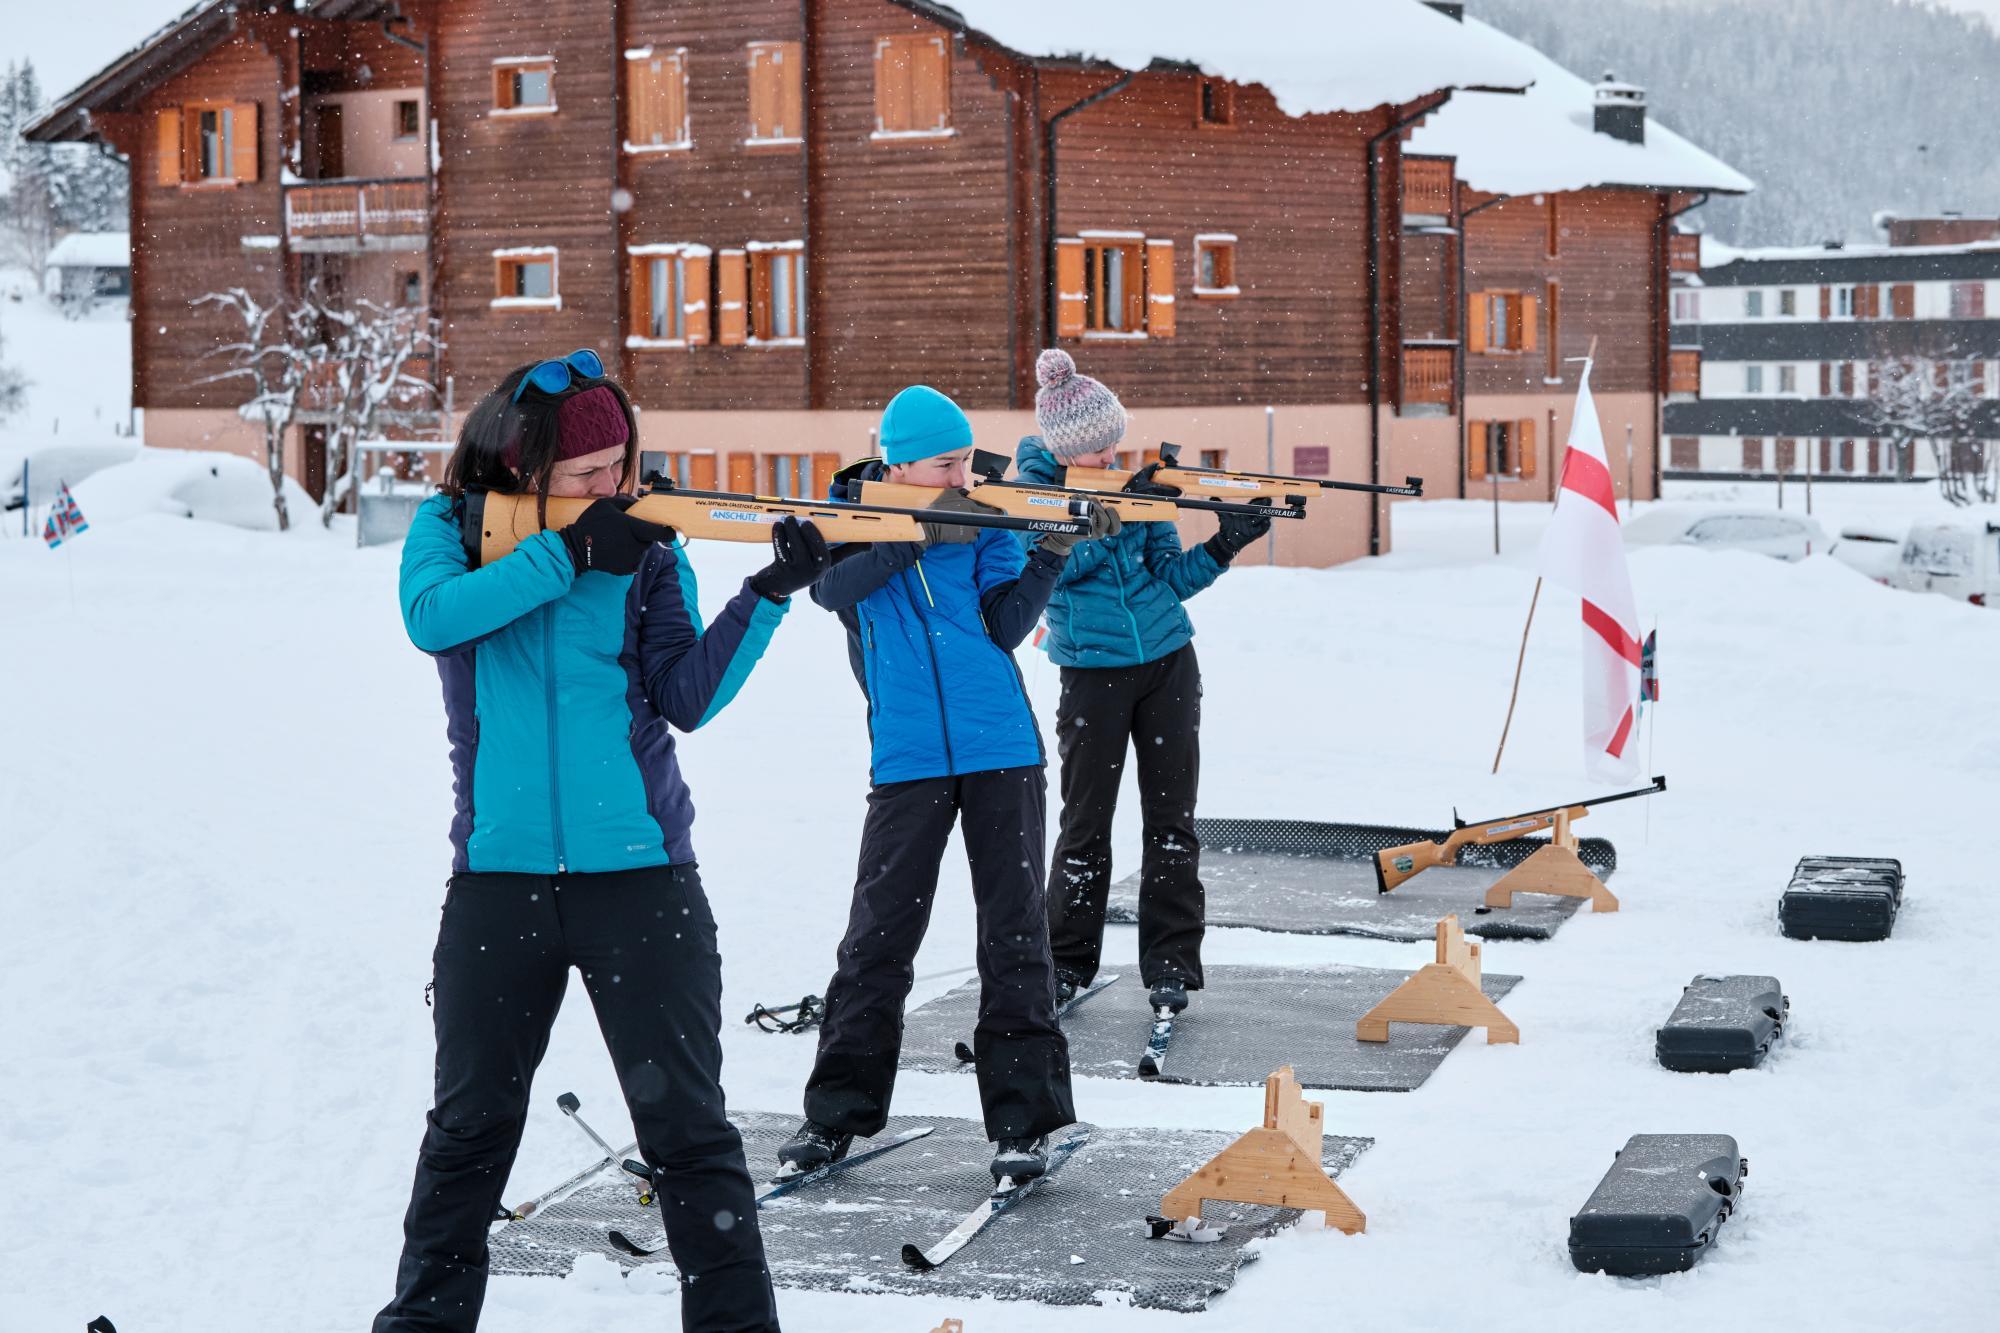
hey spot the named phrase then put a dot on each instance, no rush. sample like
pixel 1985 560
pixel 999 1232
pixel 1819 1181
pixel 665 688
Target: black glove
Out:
pixel 956 501
pixel 801 558
pixel 1104 522
pixel 1142 483
pixel 608 540
pixel 1237 532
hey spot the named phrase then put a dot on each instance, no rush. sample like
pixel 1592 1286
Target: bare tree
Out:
pixel 275 356
pixel 370 375
pixel 1914 400
pixel 13 386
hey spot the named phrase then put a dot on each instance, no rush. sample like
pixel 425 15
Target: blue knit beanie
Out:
pixel 920 422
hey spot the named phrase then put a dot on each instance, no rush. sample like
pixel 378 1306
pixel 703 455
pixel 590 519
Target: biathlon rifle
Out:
pixel 497 522
pixel 1207 483
pixel 1393 865
pixel 1029 498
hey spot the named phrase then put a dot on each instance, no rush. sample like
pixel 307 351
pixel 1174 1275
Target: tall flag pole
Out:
pixel 1583 551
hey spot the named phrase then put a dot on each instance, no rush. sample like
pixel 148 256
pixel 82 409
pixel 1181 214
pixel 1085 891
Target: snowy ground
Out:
pixel 79 389
pixel 223 852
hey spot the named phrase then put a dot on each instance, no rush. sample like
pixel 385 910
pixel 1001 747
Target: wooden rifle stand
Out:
pixel 1554 869
pixel 1446 991
pixel 1276 1164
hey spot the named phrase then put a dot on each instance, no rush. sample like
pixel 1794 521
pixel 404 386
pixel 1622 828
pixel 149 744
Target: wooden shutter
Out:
pixel 1475 450
pixel 1069 288
pixel 930 84
pixel 1160 288
pixel 694 298
pixel 639 299
pixel 1826 379
pixel 642 100
pixel 1524 445
pixel 1903 301
pixel 776 91
pixel 1868 301
pixel 1479 312
pixel 824 466
pixel 743 473
pixel 893 59
pixel 503 88
pixel 701 472
pixel 673 100
pixel 1825 302
pixel 1526 341
pixel 732 293
pixel 167 146
pixel 762 320
pixel 243 141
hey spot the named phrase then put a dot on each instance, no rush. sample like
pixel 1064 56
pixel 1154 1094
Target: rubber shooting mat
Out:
pixel 1250 1020
pixel 1078 1238
pixel 1319 879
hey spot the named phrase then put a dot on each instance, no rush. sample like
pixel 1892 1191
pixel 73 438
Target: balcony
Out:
pixel 1427 380
pixel 1684 373
pixel 1428 191
pixel 351 216
pixel 1683 252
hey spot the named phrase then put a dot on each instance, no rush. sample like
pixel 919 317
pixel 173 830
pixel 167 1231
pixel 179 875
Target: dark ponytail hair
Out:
pixel 479 463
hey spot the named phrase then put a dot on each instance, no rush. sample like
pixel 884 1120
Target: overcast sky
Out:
pixel 68 48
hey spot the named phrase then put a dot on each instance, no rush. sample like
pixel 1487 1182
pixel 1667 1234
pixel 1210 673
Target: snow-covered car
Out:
pixel 1771 532
pixel 51 465
pixel 1956 559
pixel 1869 551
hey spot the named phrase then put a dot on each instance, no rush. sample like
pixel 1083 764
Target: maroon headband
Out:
pixel 591 421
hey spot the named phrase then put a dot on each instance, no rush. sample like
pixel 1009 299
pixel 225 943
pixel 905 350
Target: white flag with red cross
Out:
pixel 1583 551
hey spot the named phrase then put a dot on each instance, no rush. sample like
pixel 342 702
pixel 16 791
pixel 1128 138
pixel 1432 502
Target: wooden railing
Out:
pixel 1427 377
pixel 1428 186
pixel 357 210
pixel 1684 252
pixel 1684 371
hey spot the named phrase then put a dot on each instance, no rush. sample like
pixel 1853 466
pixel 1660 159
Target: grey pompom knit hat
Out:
pixel 1076 414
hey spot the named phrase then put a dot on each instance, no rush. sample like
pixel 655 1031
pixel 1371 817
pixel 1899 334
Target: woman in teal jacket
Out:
pixel 1129 677
pixel 564 664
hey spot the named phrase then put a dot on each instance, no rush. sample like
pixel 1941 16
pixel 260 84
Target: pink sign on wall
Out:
pixel 1311 460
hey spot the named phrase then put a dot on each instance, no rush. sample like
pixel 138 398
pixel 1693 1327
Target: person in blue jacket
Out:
pixel 564 665
pixel 932 628
pixel 1118 630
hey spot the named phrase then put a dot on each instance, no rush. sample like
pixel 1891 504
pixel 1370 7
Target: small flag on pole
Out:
pixel 1649 670
pixel 65 519
pixel 1584 552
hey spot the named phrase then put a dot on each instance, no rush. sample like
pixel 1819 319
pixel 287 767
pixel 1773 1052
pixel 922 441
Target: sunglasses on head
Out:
pixel 552 377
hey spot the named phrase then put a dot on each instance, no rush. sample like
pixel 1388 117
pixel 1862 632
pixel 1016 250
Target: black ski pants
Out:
pixel 1023 1060
pixel 1155 708
pixel 645 943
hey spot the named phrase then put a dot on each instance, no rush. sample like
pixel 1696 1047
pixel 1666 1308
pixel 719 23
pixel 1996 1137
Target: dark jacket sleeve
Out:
pixel 1013 594
pixel 854 577
pixel 690 674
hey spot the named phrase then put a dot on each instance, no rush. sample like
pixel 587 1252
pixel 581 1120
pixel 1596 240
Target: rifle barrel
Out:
pixel 1659 785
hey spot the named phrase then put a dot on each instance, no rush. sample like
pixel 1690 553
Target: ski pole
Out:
pixel 644 1176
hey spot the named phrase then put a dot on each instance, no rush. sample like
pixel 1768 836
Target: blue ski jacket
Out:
pixel 931 633
pixel 1117 601
pixel 558 692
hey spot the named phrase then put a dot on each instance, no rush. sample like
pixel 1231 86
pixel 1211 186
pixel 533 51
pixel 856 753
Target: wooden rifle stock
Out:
pixel 495 522
pixel 1394 865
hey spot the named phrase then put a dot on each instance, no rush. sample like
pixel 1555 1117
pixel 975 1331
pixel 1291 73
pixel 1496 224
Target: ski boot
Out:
pixel 1169 994
pixel 812 1147
pixel 1021 1160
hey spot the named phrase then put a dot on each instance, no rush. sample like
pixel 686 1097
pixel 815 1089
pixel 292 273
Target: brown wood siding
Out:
pixel 188 238
pixel 909 262
pixel 1428 280
pixel 719 193
pixel 1606 275
pixel 525 180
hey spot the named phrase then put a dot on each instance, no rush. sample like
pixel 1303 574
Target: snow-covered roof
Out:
pixel 1545 140
pixel 1714 253
pixel 1315 57
pixel 92 249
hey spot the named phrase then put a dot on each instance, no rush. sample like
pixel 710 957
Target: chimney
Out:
pixel 1621 110
pixel 1451 9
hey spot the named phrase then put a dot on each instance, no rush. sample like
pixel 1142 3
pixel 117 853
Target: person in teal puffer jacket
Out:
pixel 1118 630
pixel 564 663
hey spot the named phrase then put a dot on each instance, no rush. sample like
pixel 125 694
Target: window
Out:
pixel 1788 303
pixel 1215 265
pixel 1788 379
pixel 1215 104
pixel 1215 459
pixel 777 98
pixel 656 101
pixel 912 87
pixel 1684 453
pixel 1502 322
pixel 207 143
pixel 1753 305
pixel 777 292
pixel 525 278
pixel 687 471
pixel 1968 300
pixel 1687 306
pixel 799 476
pixel 1114 284
pixel 668 296
pixel 412 285
pixel 409 125
pixel 1495 449
pixel 1753 379
pixel 1843 302
pixel 524 85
